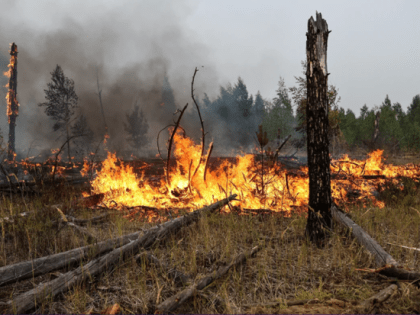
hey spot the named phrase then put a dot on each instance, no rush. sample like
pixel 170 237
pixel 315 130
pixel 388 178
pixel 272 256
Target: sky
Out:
pixel 373 50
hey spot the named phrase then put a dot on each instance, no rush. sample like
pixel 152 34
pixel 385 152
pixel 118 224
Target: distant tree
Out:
pixel 389 128
pixel 224 102
pixel 61 102
pixel 410 124
pixel 413 110
pixel 242 120
pixel 206 101
pixel 365 126
pixel 258 109
pixel 85 136
pixel 348 126
pixel 364 111
pixel 299 96
pixel 168 99
pixel 280 115
pixel 241 99
pixel 137 127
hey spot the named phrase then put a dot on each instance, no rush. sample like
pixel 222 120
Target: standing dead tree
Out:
pixel 12 103
pixel 102 106
pixel 319 214
pixel 170 143
pixel 372 144
pixel 203 134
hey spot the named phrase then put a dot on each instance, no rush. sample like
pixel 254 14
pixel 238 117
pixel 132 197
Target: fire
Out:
pixel 12 103
pixel 275 188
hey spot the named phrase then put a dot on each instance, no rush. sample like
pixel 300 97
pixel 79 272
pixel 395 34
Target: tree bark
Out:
pixel 33 268
pixel 12 106
pixel 319 213
pixel 28 300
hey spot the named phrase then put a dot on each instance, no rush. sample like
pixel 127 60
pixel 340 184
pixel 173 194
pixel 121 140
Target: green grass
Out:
pixel 287 268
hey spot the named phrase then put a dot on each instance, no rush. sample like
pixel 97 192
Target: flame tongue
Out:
pixel 279 190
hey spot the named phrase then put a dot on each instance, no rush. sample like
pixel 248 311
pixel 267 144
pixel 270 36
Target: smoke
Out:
pixel 131 45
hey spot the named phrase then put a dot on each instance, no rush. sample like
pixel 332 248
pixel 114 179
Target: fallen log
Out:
pixel 33 268
pixel 387 264
pixel 176 300
pixel 28 300
pixel 367 306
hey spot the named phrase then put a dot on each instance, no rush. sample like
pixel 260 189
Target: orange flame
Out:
pixel 11 94
pixel 282 191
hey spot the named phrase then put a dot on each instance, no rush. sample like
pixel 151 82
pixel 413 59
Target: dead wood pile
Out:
pixel 29 300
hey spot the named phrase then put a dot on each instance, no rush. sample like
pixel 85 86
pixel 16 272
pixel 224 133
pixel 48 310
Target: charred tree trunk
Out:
pixel 376 133
pixel 100 103
pixel 319 214
pixel 12 104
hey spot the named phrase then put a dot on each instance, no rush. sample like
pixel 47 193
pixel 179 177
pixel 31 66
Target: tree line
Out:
pixel 241 114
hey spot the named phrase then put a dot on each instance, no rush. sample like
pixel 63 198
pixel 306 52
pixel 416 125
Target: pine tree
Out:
pixel 222 106
pixel 61 102
pixel 241 99
pixel 137 127
pixel 364 111
pixel 168 98
pixel 167 105
pixel 389 127
pixel 299 97
pixel 280 115
pixel 258 109
pixel 348 126
pixel 83 143
pixel 411 125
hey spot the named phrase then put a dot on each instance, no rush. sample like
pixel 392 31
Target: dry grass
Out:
pixel 287 268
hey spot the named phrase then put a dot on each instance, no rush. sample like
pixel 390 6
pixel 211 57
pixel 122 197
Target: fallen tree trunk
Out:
pixel 33 268
pixel 28 300
pixel 389 266
pixel 176 300
pixel 367 306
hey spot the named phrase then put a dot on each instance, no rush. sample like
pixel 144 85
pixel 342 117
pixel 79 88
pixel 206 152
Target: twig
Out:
pixel 157 139
pixel 207 160
pixel 279 148
pixel 413 248
pixel 170 143
pixel 202 124
pixel 59 151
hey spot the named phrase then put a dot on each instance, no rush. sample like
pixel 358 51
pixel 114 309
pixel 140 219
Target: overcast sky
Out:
pixel 373 49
